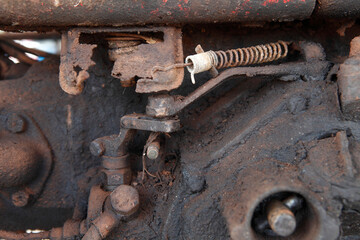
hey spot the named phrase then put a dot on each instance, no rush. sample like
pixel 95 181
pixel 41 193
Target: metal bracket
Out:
pixel 146 123
pixel 130 62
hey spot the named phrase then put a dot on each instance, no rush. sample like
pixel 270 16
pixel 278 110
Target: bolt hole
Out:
pixel 300 212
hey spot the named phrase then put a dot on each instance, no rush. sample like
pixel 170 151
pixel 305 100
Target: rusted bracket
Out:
pixel 113 145
pixel 135 52
pixel 75 60
pixel 116 145
pixel 146 123
pixel 314 67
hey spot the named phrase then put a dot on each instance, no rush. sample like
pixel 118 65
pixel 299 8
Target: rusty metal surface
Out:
pixel 31 157
pixel 147 123
pixel 61 119
pixel 245 148
pixel 349 85
pixel 75 61
pixel 114 13
pixel 77 52
pixel 250 141
pixel 338 9
pixel 162 52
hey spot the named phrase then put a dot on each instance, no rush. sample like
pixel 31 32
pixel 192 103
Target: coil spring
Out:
pixel 250 55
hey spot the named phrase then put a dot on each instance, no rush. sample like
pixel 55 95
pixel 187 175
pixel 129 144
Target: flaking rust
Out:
pixel 135 55
pixel 137 64
pixel 75 61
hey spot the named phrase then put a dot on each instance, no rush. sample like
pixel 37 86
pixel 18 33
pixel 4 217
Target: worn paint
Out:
pixel 267 2
pixel 155 11
pixel 130 12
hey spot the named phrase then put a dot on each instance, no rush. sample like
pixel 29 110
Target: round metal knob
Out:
pixel 125 200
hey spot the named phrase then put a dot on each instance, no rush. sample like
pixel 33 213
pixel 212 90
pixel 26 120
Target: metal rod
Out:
pixel 281 219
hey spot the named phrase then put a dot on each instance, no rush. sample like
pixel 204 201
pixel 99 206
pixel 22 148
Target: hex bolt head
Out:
pixel 125 200
pixel 153 150
pixel 281 219
pixel 20 198
pixel 15 123
pixel 97 149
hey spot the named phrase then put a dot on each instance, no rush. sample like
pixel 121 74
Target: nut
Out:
pixel 117 177
pixel 20 198
pixel 125 200
pixel 15 123
pixel 153 150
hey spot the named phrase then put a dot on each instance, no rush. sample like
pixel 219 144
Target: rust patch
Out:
pixel 75 61
pixel 138 63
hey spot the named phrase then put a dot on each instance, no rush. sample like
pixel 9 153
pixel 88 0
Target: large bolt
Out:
pixel 281 219
pixel 20 198
pixel 97 148
pixel 15 123
pixel 153 150
pixel 125 200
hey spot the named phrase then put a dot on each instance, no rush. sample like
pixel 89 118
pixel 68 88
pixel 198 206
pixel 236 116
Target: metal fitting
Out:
pixel 122 203
pixel 114 178
pixel 97 148
pixel 125 200
pixel 201 62
pixel 281 219
pixel 102 226
pixel 153 150
pixel 113 163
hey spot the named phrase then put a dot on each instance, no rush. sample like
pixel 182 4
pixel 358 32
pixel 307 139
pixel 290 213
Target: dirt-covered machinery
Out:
pixel 184 119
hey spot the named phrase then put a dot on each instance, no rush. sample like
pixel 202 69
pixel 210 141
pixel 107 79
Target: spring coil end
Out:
pixel 236 57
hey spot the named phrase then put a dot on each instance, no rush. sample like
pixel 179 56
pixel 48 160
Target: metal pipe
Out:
pixel 30 35
pixel 122 203
pixel 22 14
pixel 337 9
pixel 19 14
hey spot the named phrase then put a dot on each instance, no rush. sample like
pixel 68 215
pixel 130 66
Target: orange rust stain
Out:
pixel 265 3
pixel 155 11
